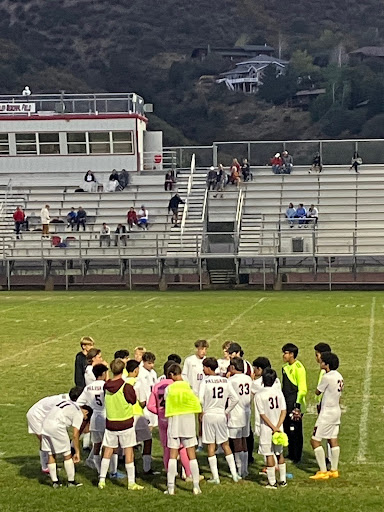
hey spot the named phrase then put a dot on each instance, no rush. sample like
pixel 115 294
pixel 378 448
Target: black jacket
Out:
pixel 174 202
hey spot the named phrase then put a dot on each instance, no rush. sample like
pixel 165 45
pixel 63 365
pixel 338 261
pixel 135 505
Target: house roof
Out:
pixel 265 59
pixel 370 51
pixel 240 51
pixel 239 70
pixel 311 92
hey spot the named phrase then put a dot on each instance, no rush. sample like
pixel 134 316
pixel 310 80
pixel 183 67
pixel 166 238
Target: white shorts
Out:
pixel 215 429
pixel 34 426
pixel 97 436
pixel 56 445
pixel 123 438
pixel 142 430
pixel 325 431
pixel 239 432
pixel 187 442
pixel 270 449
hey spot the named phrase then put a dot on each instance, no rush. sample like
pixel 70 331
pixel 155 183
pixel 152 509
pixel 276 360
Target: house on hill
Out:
pixel 233 54
pixel 247 76
pixel 368 52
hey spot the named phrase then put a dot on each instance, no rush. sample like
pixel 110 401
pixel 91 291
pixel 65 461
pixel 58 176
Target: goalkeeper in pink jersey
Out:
pixel 156 405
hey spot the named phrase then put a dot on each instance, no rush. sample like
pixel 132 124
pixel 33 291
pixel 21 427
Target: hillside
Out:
pixel 120 45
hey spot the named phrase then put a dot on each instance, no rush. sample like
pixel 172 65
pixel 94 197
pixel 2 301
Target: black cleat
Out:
pixel 74 484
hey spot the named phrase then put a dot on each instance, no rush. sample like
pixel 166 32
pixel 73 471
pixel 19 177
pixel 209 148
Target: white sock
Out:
pixel 271 474
pixel 320 458
pixel 130 469
pixel 113 464
pixel 97 461
pixel 86 440
pixel 239 464
pixel 283 472
pixel 171 474
pixel 91 454
pixel 329 452
pixel 147 461
pixel 195 472
pixel 43 459
pixel 200 442
pixel 231 463
pixel 52 471
pixel 104 468
pixel 213 465
pixel 335 454
pixel 245 463
pixel 69 467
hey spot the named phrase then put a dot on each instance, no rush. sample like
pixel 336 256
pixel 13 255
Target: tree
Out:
pixel 277 89
pixel 302 63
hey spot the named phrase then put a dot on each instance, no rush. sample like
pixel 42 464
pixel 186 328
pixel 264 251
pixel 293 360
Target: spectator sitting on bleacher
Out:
pixel 211 178
pixel 105 235
pixel 173 205
pixel 123 179
pixel 277 164
pixel 45 218
pixel 246 170
pixel 89 182
pixel 301 213
pixel 221 180
pixel 113 181
pixel 235 163
pixel 287 163
pixel 316 164
pixel 20 221
pixel 71 218
pixel 313 213
pixel 234 178
pixel 290 214
pixel 81 218
pixel 143 218
pixel 121 235
pixel 131 218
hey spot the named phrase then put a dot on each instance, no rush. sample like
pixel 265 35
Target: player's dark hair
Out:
pixel 235 347
pixel 269 376
pixel 238 364
pixel 121 354
pixel 117 366
pixel 322 347
pixel 75 392
pixel 290 347
pixel 174 369
pixel 201 344
pixel 92 353
pixel 262 362
pixel 149 357
pixel 174 357
pixel 99 369
pixel 89 411
pixel 330 359
pixel 226 345
pixel 211 362
pixel 132 365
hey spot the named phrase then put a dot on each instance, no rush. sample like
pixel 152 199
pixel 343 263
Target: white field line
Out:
pixel 363 429
pixel 22 305
pixel 236 319
pixel 82 328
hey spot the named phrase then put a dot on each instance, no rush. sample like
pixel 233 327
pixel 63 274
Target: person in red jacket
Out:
pixel 277 164
pixel 20 220
pixel 131 218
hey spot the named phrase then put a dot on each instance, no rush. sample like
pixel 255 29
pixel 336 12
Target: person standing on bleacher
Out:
pixel 45 218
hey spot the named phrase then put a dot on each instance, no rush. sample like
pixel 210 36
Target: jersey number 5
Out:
pixel 98 400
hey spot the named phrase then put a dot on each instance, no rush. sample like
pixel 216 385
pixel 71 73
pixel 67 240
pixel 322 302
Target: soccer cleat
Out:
pixel 215 481
pixel 117 476
pixel 333 474
pixel 236 478
pixel 270 486
pixel 101 485
pixel 320 475
pixel 263 471
pixel 135 487
pixel 196 490
pixel 151 472
pixel 170 492
pixel 189 479
pixel 283 484
pixel 56 485
pixel 45 471
pixel 74 484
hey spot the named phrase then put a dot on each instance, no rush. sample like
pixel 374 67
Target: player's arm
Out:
pixel 233 399
pixel 185 371
pixel 152 403
pixel 283 415
pixel 268 422
pixel 129 394
pixel 76 444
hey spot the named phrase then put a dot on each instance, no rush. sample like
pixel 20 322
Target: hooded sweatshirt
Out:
pixel 113 386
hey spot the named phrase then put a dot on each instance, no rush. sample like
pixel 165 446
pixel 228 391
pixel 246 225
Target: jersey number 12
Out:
pixel 218 392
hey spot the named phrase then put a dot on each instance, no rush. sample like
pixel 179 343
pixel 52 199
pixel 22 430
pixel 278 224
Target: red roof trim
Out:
pixel 34 117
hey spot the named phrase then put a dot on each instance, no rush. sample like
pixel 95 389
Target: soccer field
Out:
pixel 39 337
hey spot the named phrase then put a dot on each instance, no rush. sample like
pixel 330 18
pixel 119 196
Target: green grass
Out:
pixel 39 336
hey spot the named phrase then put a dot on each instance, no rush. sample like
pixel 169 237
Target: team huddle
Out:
pixel 206 401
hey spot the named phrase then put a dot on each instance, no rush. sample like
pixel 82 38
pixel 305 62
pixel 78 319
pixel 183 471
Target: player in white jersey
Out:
pixel 148 378
pixel 194 374
pixel 35 418
pixel 270 403
pixel 328 422
pixel 175 358
pixel 214 394
pixel 225 360
pixel 93 397
pixel 239 416
pixel 55 438
pixel 94 357
pixel 320 348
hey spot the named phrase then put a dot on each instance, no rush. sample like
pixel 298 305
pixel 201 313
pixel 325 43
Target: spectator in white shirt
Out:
pixel 45 218
pixel 143 218
pixel 105 235
pixel 313 213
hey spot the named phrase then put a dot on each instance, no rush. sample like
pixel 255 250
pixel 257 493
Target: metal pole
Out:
pixel 130 273
pixel 264 276
pixel 200 275
pixel 8 276
pixel 329 274
pixel 249 152
pixel 321 151
pixel 214 155
pixel 66 275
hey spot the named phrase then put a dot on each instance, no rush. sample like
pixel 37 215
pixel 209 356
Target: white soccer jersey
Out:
pixel 89 376
pixel 214 393
pixel 331 385
pixel 257 386
pixel 223 366
pixel 63 415
pixel 270 402
pixel 39 411
pixel 146 380
pixel 240 386
pixel 193 372
pixel 93 396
